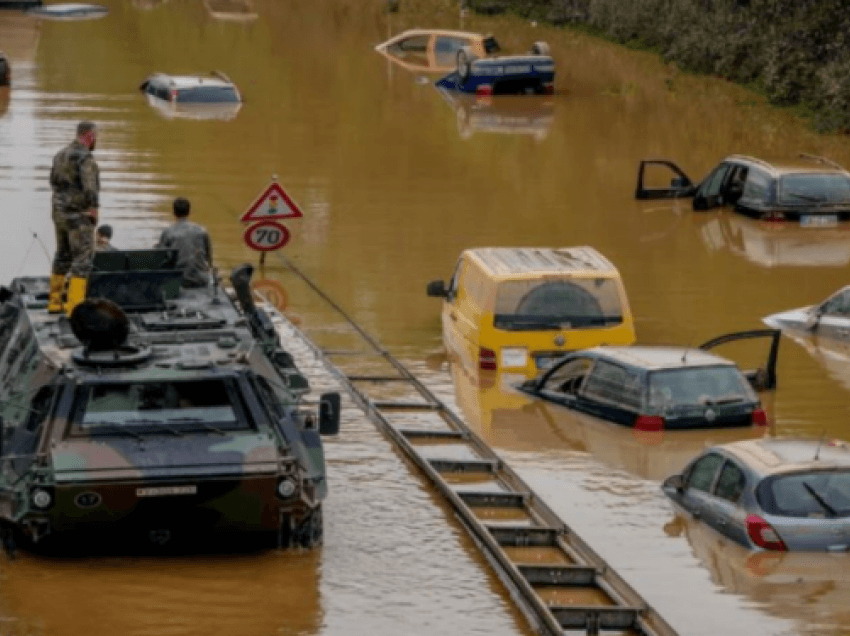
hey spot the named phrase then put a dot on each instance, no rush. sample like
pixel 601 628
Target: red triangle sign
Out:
pixel 273 203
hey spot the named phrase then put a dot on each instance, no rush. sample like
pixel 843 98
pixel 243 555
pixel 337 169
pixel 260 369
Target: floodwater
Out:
pixel 395 180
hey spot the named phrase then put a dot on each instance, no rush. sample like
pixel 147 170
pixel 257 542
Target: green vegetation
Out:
pixel 792 51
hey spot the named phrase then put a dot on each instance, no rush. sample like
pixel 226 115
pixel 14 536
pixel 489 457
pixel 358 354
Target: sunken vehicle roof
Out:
pixel 175 331
pixel 661 358
pixel 508 262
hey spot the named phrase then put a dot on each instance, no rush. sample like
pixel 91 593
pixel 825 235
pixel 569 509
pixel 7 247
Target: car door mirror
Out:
pixel 329 412
pixel 675 482
pixel 437 288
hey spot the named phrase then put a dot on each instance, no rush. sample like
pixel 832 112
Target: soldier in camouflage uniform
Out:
pixel 194 249
pixel 76 183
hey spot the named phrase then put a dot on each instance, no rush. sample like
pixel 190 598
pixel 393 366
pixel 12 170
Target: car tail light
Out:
pixel 549 88
pixel 173 95
pixel 484 89
pixel 774 215
pixel 649 423
pixel 759 417
pixel 763 534
pixel 487 359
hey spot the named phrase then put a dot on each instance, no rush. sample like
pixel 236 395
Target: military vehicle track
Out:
pixel 560 584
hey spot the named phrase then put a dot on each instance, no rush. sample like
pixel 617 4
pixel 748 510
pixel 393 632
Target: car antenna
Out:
pixel 820 443
pixel 690 344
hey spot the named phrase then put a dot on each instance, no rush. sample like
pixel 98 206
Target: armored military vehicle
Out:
pixel 155 411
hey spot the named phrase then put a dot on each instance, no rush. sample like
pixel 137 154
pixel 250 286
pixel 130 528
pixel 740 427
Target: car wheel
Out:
pixel 465 58
pixel 540 48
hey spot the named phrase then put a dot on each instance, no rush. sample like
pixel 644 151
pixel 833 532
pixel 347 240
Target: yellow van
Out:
pixel 517 309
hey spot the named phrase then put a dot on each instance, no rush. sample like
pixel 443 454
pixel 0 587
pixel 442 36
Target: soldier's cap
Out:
pixel 105 230
pixel 85 127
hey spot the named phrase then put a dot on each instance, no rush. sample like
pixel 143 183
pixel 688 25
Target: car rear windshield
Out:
pixel 207 95
pixel 799 189
pixel 698 385
pixel 809 494
pixel 158 407
pixel 558 303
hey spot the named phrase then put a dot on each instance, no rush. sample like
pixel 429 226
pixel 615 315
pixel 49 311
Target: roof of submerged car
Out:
pixel 661 358
pixel 794 165
pixel 529 262
pixel 769 456
pixel 414 32
pixel 192 81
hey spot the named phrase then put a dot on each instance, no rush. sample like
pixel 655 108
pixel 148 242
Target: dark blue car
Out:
pixel 532 73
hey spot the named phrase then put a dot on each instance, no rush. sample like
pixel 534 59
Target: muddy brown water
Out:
pixel 394 181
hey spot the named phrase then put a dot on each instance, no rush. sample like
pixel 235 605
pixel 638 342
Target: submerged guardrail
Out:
pixel 558 581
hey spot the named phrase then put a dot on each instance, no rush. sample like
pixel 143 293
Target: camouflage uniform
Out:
pixel 76 182
pixel 194 251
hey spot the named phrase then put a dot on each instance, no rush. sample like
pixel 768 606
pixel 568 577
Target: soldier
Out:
pixel 194 249
pixel 76 183
pixel 102 238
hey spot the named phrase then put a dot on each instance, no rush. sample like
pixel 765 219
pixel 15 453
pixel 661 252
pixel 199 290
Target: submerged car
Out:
pixel 517 309
pixel 431 50
pixel 830 318
pixel 5 70
pixel 660 388
pixel 811 190
pixel 155 413
pixel 193 96
pixel 772 493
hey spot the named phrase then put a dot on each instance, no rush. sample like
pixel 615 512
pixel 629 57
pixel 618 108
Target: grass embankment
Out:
pixel 792 51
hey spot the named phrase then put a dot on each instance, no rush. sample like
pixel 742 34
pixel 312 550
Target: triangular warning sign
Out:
pixel 273 203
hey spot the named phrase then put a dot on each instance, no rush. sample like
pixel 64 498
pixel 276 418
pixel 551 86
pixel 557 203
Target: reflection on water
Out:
pixel 391 195
pixel 513 115
pixel 811 588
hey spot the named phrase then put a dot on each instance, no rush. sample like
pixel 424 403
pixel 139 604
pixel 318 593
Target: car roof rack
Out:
pixel 820 159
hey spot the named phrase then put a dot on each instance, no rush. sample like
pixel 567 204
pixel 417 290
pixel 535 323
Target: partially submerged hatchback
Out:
pixel 193 96
pixel 830 318
pixel 811 190
pixel 770 493
pixel 519 308
pixel 655 388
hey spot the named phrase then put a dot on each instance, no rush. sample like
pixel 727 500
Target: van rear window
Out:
pixel 808 494
pixel 207 95
pixel 561 303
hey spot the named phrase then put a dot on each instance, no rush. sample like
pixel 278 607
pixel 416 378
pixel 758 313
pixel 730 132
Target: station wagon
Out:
pixel 811 190
pixel 517 309
pixel 194 97
pixel 657 388
pixel 771 494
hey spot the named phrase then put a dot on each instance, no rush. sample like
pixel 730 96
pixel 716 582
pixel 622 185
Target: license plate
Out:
pixel 514 357
pixel 165 491
pixel 819 220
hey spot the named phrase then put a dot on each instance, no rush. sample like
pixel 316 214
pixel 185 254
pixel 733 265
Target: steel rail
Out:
pixel 577 565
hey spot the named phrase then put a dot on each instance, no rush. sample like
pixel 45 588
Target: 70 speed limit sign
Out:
pixel 266 236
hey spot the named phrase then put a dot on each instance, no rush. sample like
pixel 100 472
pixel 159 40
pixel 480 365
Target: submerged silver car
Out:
pixel 771 493
pixel 830 318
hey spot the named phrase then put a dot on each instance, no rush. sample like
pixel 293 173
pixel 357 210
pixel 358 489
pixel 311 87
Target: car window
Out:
pixel 838 305
pixel 565 303
pixel 731 482
pixel 614 384
pixel 799 189
pixel 810 494
pixel 756 186
pixel 568 377
pixel 207 95
pixel 446 48
pixel 711 186
pixel 702 473
pixel 698 385
pixel 455 281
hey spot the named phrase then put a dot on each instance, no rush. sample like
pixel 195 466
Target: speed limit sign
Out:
pixel 266 236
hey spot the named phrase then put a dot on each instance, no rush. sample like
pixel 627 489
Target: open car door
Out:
pixel 763 378
pixel 680 184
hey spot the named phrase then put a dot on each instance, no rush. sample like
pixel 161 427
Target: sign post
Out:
pixel 265 234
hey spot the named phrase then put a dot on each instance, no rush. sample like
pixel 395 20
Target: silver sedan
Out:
pixel 771 493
